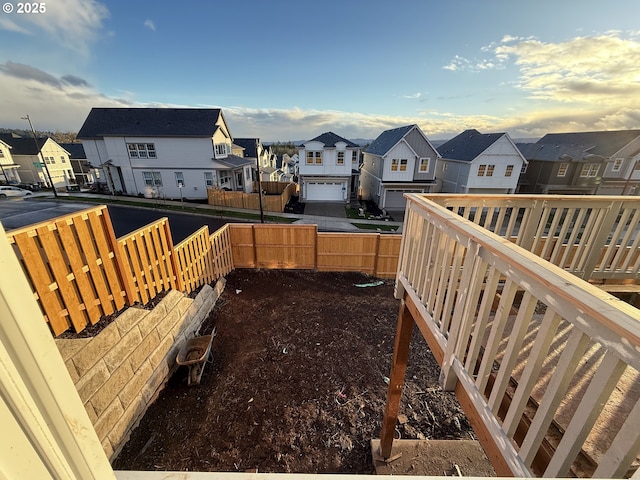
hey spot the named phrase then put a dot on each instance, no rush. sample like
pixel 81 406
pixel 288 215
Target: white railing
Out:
pixel 546 364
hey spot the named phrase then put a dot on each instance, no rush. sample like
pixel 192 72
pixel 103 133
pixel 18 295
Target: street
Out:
pixel 16 213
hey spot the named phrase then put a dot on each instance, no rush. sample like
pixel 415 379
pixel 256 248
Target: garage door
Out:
pixel 394 199
pixel 327 191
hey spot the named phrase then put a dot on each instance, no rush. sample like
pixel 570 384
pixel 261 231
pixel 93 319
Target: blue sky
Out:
pixel 293 69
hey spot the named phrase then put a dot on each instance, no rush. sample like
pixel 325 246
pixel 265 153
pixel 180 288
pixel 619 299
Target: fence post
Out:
pixel 173 259
pixel 396 380
pixel 123 272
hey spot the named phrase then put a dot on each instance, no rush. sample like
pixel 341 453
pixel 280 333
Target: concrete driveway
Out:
pixel 326 209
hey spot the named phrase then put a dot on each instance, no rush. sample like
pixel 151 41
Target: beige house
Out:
pixel 30 161
pixel 8 168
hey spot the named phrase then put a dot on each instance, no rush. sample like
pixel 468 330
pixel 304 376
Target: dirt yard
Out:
pixel 297 382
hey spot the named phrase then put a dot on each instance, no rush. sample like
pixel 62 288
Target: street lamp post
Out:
pixel 35 139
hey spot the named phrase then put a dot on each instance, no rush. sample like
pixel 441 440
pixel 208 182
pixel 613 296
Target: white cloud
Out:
pixel 150 25
pixel 74 24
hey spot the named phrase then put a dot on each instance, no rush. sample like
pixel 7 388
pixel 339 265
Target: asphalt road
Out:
pixel 16 213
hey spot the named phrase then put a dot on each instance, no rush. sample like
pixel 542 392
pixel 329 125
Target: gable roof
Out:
pixel 150 122
pixel 388 139
pixel 468 145
pixel 551 152
pixel 604 143
pixel 249 145
pixel 330 139
pixel 76 150
pixel 23 145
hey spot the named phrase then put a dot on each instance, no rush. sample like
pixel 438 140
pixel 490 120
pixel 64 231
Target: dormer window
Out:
pixel 223 149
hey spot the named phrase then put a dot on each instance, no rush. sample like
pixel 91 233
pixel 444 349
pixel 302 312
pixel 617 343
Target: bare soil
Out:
pixel 296 383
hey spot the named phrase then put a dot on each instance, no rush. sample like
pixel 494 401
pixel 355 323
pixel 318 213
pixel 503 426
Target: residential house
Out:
pixel 164 152
pixel 84 172
pixel 30 156
pixel 618 149
pixel 401 160
pixel 261 156
pixel 326 171
pixel 8 168
pixel 473 162
pixel 559 169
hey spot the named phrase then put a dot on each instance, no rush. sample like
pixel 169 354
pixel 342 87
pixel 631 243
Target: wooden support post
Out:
pixel 396 381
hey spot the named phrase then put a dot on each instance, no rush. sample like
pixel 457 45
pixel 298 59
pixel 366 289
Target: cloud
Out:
pixel 74 24
pixel 150 25
pixel 27 72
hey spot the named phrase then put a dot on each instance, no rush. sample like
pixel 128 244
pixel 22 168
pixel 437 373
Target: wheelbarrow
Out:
pixel 194 354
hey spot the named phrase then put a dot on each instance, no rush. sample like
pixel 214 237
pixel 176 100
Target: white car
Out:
pixel 9 191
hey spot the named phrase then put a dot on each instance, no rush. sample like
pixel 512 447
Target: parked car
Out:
pixel 10 191
pixel 34 187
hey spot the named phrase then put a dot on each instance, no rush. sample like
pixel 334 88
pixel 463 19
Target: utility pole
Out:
pixel 259 183
pixel 35 139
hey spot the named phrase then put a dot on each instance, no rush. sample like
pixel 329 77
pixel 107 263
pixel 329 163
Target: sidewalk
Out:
pixel 331 224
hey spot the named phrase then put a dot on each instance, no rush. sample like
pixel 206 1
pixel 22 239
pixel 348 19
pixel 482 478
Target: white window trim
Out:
pixel 617 164
pixel 562 173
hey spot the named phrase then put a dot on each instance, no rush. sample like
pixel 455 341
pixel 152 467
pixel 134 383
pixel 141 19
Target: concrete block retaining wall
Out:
pixel 120 372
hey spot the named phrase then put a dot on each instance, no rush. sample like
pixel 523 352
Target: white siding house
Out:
pixel 164 152
pixel 399 161
pixel 325 168
pixel 8 168
pixel 478 163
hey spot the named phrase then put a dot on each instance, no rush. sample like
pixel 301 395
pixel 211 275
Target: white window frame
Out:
pixel 209 179
pixel 222 148
pixel 340 159
pixel 508 171
pixel 152 179
pixel 490 170
pixel 179 179
pixel 354 156
pixel 403 164
pixel 394 164
pixel 524 168
pixel 314 157
pixel 481 170
pixel 563 168
pixel 141 150
pixel 617 164
pixel 424 164
pixel 590 170
pixel 445 166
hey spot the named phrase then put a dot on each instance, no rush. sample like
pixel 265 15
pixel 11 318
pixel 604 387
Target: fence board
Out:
pixel 340 252
pixel 242 245
pixel 279 246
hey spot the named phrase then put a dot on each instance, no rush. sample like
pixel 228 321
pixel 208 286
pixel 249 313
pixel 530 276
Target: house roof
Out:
pixel 234 161
pixel 150 122
pixel 76 150
pixel 551 152
pixel 23 145
pixel 604 143
pixel 330 139
pixel 249 145
pixel 387 139
pixel 468 145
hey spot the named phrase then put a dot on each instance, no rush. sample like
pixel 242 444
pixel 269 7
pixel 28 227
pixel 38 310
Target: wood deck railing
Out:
pixel 546 365
pixel 80 272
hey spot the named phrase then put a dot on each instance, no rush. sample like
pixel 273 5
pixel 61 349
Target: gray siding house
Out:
pixel 399 161
pixel 618 149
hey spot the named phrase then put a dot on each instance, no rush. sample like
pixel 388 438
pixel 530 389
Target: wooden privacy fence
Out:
pixel 545 365
pixel 276 198
pixel 594 237
pixel 80 272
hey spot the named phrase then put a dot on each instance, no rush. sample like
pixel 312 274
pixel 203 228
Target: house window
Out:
pixel 141 150
pixel 179 179
pixel 62 159
pixel 524 168
pixel 509 171
pixel 225 178
pixel 208 179
pixel 152 179
pixel 354 157
pixel 1 153
pixel 424 164
pixel 562 169
pixel 340 158
pixel 314 157
pixel 445 167
pixel 403 165
pixel 394 165
pixel 590 170
pixel 222 149
pixel 617 164
pixel 490 169
pixel 481 170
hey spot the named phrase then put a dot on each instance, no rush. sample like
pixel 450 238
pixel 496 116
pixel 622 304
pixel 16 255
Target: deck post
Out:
pixel 396 378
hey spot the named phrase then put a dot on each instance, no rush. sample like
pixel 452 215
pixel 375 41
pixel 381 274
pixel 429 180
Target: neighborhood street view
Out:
pixel 299 238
